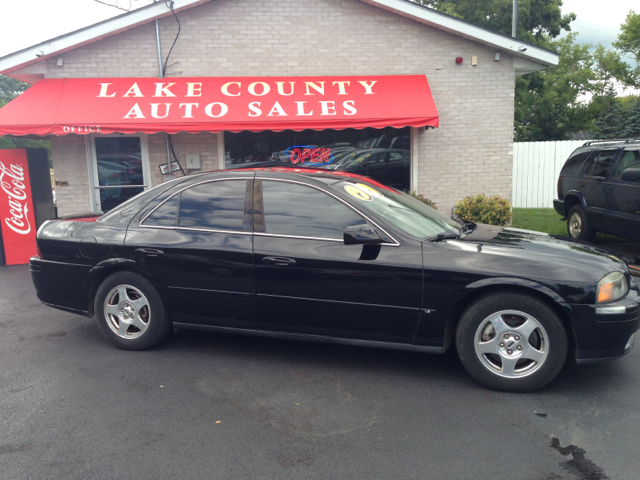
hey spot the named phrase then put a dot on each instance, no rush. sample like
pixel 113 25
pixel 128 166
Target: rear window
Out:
pixel 572 166
pixel 214 205
pixel 600 166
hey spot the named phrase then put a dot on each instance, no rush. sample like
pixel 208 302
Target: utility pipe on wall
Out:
pixel 161 75
pixel 514 24
pixel 159 50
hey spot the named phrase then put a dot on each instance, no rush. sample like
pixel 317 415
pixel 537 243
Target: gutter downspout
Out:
pixel 161 75
pixel 514 24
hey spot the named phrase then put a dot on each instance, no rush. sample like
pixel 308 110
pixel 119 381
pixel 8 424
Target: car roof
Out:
pixel 604 143
pixel 298 171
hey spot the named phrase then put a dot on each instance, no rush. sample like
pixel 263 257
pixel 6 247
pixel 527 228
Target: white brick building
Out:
pixel 469 153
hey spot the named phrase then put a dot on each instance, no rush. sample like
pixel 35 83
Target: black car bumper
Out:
pixel 60 285
pixel 558 205
pixel 607 331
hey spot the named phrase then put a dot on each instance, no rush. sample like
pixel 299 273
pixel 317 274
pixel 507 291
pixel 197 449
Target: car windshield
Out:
pixel 353 159
pixel 341 157
pixel 401 210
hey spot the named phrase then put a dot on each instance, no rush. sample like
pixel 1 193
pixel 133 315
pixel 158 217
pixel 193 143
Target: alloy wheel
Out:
pixel 511 344
pixel 127 311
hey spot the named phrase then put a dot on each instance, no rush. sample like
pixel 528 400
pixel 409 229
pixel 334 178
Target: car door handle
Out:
pixel 279 261
pixel 609 187
pixel 149 252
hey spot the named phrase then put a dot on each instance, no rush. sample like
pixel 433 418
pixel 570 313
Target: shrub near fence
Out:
pixel 482 209
pixel 536 167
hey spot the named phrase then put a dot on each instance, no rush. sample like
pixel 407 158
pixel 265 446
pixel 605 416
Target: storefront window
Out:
pixel 344 150
pixel 119 170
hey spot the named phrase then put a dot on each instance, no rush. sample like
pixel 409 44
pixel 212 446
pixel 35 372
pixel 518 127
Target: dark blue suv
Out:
pixel 599 189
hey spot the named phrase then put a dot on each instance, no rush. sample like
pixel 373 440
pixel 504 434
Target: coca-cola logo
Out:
pixel 13 186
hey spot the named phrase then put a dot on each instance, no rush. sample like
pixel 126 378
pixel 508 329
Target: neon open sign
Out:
pixel 310 155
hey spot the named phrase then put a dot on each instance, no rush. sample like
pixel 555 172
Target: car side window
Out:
pixel 395 157
pixel 374 160
pixel 574 163
pixel 628 159
pixel 166 215
pixel 601 164
pixel 214 205
pixel 298 210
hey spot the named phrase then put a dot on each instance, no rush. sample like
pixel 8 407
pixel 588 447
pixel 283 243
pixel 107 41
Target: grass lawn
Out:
pixel 539 219
pixel 548 221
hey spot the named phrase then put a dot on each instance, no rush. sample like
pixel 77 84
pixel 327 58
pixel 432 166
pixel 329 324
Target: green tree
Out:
pixel 633 120
pixel 548 103
pixel 537 19
pixel 629 38
pixel 608 68
pixel 628 44
pixel 611 123
pixel 10 89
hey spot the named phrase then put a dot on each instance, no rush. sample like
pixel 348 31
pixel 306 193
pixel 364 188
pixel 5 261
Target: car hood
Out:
pixel 539 254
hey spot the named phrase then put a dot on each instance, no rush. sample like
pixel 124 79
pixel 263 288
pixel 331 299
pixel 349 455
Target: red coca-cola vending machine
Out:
pixel 26 202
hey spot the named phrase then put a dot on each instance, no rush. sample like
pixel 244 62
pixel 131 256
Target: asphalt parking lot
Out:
pixel 227 407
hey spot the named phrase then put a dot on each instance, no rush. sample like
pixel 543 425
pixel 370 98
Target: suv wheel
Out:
pixel 577 226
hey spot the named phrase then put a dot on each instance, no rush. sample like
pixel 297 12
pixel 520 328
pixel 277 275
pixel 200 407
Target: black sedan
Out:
pixel 335 257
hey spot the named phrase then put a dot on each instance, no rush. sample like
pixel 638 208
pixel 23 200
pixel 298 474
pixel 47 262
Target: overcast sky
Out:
pixel 28 22
pixel 599 21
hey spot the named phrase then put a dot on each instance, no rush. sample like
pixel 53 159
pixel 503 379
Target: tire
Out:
pixel 511 342
pixel 130 312
pixel 577 226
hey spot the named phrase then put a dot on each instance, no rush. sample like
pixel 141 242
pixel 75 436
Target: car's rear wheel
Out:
pixel 511 342
pixel 577 226
pixel 130 312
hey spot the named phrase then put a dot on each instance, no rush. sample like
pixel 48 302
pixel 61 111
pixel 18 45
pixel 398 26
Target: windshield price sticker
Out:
pixel 371 191
pixel 362 192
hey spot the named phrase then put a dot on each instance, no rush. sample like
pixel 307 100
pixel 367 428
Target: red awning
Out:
pixel 215 104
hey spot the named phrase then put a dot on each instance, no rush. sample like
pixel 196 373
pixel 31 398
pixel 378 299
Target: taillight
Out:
pixel 560 195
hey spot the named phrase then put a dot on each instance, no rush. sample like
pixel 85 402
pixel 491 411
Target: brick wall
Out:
pixel 470 153
pixel 203 143
pixel 70 167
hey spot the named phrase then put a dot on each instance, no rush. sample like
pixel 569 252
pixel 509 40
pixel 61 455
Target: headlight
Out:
pixel 612 287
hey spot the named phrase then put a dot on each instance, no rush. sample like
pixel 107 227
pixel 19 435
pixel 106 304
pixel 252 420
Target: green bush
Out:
pixel 423 199
pixel 482 209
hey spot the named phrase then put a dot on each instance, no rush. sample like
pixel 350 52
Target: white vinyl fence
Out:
pixel 536 166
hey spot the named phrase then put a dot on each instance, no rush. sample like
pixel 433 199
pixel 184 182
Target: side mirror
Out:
pixel 361 235
pixel 631 175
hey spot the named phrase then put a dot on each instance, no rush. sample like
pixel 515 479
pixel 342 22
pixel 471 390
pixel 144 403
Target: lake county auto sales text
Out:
pixel 236 89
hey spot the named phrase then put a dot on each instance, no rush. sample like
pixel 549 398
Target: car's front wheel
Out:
pixel 577 226
pixel 511 342
pixel 130 312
